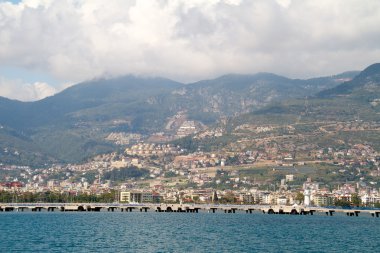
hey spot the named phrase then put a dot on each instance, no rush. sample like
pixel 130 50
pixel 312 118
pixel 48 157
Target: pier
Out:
pixel 183 208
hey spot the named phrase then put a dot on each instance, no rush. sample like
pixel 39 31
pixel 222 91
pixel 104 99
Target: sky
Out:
pixel 48 45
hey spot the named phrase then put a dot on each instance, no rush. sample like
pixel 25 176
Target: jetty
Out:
pixel 184 208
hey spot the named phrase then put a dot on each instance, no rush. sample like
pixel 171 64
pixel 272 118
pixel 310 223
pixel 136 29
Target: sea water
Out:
pixel 185 232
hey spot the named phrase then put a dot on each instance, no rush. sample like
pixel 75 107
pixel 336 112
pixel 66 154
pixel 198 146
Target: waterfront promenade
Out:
pixel 184 208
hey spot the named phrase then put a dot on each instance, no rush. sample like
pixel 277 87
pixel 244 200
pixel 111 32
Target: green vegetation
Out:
pixel 123 174
pixel 343 203
pixel 356 200
pixel 170 174
pixel 300 197
pixel 211 144
pixel 54 197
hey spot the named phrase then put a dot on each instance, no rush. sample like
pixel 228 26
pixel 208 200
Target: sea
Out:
pixel 185 232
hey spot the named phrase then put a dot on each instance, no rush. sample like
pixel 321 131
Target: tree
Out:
pixel 170 174
pixel 232 160
pixel 300 197
pixel 229 197
pixel 355 199
pixel 342 203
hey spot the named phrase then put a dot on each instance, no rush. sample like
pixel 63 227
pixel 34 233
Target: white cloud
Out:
pixel 74 40
pixel 284 3
pixel 19 90
pixel 42 90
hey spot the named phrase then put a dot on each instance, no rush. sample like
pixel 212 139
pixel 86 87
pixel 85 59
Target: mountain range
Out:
pixel 72 125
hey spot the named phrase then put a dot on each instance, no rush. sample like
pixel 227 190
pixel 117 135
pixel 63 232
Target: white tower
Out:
pixel 306 194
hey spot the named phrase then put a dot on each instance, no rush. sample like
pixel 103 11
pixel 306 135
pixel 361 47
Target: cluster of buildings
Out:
pixel 178 176
pixel 151 149
pixel 309 194
pixel 187 128
pixel 120 138
pixel 198 160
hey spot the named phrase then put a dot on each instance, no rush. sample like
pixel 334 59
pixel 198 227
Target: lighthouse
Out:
pixel 306 194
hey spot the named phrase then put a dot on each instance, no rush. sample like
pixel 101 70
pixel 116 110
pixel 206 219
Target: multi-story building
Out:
pixel 246 198
pixel 266 198
pixel 282 200
pixel 370 199
pixel 136 197
pixel 323 200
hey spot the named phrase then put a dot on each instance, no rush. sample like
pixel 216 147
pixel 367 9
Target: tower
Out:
pixel 306 194
pixel 214 197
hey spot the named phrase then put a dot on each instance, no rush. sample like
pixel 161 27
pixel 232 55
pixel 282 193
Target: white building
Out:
pixel 136 197
pixel 282 200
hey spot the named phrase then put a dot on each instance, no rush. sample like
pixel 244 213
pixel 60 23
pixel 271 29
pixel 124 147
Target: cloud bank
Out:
pixel 18 89
pixel 75 40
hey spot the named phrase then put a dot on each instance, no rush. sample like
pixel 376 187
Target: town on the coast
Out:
pixel 276 166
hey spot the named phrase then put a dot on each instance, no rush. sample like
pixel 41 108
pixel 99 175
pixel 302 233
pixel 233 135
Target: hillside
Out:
pixel 368 81
pixel 73 124
pixel 231 95
pixel 344 116
pixel 356 98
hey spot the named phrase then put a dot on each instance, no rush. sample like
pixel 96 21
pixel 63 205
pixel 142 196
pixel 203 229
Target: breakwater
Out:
pixel 183 208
